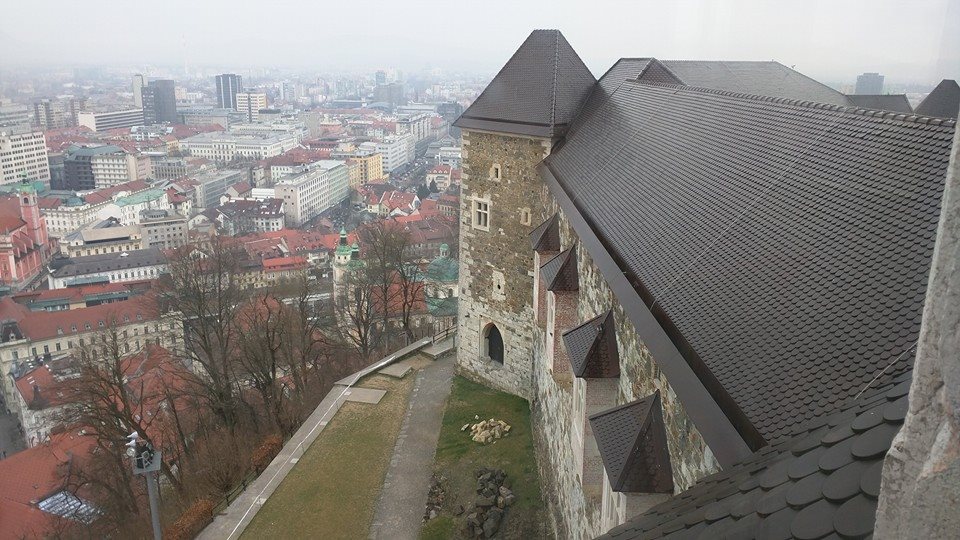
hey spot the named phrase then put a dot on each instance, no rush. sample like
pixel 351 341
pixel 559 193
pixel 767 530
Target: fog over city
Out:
pixel 463 269
pixel 915 42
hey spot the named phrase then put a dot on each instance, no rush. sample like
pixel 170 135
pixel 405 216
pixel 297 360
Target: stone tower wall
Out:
pixel 496 279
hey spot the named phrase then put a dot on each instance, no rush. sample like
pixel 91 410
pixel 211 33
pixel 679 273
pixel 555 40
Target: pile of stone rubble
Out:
pixel 434 498
pixel 486 431
pixel 494 496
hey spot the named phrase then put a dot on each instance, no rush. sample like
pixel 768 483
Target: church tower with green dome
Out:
pixel 341 261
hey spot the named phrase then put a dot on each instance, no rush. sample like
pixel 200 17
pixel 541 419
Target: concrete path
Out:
pixel 399 509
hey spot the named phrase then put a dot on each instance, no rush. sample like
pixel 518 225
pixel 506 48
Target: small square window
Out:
pixel 496 172
pixel 525 216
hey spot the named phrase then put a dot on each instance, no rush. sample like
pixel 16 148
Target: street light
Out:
pixel 146 462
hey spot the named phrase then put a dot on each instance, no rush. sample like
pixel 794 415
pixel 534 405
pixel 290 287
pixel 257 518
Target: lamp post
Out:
pixel 146 462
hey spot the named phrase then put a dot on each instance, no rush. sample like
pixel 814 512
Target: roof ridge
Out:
pixel 859 111
pixel 556 70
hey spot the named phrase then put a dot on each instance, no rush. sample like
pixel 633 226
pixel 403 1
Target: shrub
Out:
pixel 265 453
pixel 191 521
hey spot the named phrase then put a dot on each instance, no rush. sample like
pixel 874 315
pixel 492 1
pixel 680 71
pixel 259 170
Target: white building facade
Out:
pixel 320 187
pixel 225 147
pixel 23 153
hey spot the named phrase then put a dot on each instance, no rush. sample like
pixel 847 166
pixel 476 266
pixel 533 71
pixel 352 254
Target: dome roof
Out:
pixel 443 269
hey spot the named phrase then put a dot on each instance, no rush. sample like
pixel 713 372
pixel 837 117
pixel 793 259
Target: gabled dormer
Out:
pixel 592 348
pixel 633 444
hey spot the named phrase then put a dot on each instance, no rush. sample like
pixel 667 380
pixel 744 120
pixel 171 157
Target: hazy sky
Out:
pixel 833 40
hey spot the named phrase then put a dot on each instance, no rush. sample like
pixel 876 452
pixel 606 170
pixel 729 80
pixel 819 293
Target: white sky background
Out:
pixel 832 40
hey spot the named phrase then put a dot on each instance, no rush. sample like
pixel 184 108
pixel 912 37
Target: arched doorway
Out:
pixel 493 343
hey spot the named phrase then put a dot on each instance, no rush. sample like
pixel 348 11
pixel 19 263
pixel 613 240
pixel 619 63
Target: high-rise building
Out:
pixel 57 113
pixel 139 81
pixel 392 93
pixel 869 83
pixel 228 85
pixel 159 102
pixel 250 103
pixel 23 154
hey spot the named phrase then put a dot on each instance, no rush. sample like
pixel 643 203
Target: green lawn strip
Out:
pixel 458 457
pixel 332 491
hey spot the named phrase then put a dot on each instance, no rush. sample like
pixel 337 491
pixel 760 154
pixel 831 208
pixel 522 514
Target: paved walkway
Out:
pixel 230 523
pixel 399 510
pixel 11 441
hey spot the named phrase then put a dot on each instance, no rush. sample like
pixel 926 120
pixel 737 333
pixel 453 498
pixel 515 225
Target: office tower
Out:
pixel 228 85
pixel 139 81
pixel 159 102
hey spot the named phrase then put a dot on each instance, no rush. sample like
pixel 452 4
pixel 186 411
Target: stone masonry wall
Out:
pixel 496 283
pixel 496 286
pixel 577 516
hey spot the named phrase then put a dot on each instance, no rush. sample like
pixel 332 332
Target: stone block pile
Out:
pixel 487 431
pixel 493 498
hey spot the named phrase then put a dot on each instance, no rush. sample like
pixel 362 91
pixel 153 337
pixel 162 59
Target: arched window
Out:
pixel 493 343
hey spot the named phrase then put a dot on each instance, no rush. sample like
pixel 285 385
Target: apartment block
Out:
pixel 23 154
pixel 317 188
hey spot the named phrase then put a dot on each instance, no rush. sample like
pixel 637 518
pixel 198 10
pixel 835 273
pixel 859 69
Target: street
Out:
pixel 10 440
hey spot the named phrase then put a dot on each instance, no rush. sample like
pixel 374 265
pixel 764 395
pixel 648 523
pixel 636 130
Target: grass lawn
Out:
pixel 332 491
pixel 458 457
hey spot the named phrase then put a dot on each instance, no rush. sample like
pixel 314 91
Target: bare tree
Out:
pixel 203 289
pixel 118 393
pixel 410 283
pixel 355 310
pixel 383 245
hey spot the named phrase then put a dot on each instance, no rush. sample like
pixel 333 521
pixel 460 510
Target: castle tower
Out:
pixel 507 132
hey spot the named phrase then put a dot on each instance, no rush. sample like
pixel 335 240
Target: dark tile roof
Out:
pixel 107 262
pixel 760 78
pixel 881 102
pixel 942 102
pixel 657 73
pixel 784 246
pixel 756 78
pixel 821 481
pixel 592 348
pixel 560 272
pixel 538 92
pixel 546 237
pixel 633 446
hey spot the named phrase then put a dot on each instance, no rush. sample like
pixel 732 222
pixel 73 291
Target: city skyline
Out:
pixel 814 37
